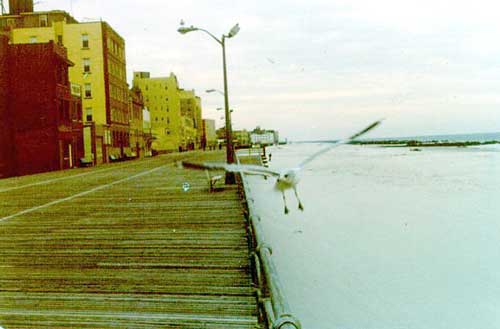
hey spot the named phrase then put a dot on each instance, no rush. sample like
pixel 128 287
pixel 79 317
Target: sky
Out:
pixel 322 69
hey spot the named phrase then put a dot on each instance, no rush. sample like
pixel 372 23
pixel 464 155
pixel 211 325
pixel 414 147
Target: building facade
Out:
pixel 175 114
pixel 137 136
pixel 40 115
pixel 192 121
pixel 209 136
pixel 98 54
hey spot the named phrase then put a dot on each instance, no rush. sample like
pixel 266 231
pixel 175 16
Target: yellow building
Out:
pixel 99 56
pixel 175 113
pixel 209 136
pixel 241 138
pixel 193 124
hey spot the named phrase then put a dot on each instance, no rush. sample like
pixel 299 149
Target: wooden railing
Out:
pixel 270 291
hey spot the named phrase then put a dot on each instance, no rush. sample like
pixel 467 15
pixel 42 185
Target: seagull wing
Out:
pixel 246 169
pixel 340 142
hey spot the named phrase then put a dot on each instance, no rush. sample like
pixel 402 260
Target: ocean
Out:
pixel 389 238
pixel 483 137
pixel 480 137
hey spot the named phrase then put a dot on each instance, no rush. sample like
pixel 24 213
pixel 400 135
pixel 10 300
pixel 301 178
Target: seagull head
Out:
pixel 288 178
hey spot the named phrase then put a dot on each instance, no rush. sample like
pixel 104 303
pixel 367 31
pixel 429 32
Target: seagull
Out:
pixel 285 179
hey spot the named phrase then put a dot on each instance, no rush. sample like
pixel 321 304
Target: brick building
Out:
pixel 98 54
pixel 40 119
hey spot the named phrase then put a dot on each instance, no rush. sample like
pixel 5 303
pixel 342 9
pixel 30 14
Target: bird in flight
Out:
pixel 285 179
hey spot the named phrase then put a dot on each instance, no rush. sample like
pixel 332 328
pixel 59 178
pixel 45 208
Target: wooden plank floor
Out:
pixel 124 246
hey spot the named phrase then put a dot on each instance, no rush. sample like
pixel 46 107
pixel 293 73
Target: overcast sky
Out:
pixel 321 69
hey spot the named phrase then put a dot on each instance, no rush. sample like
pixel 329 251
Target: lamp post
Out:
pixel 229 136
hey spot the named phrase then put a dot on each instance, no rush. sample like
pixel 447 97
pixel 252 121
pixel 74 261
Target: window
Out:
pixel 88 114
pixel 88 90
pixel 85 40
pixel 44 21
pixel 86 65
pixel 33 39
pixel 64 110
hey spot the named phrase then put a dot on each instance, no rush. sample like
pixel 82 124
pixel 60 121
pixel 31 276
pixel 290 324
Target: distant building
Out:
pixel 209 137
pixel 137 137
pixel 98 53
pixel 176 122
pixel 40 117
pixel 192 128
pixel 241 138
pixel 264 136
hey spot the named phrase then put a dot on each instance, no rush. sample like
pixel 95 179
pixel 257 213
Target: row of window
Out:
pixel 118 93
pixel 156 97
pixel 117 70
pixel 116 48
pixel 119 116
pixel 157 86
pixel 162 119
pixel 85 40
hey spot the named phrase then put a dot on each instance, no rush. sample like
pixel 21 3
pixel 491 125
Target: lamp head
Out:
pixel 234 30
pixel 184 30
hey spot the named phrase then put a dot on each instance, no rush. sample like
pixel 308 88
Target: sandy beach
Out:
pixel 390 238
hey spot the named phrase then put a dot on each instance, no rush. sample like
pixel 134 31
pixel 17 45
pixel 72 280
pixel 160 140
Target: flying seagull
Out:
pixel 285 179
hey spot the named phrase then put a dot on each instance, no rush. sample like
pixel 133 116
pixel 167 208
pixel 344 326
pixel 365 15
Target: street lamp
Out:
pixel 214 91
pixel 222 42
pixel 220 109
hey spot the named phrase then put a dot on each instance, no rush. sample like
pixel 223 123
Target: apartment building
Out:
pixel 98 54
pixel 175 113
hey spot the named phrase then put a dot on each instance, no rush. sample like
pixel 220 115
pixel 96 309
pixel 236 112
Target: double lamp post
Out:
pixel 230 179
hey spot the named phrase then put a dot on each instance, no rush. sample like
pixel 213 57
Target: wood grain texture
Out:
pixel 141 253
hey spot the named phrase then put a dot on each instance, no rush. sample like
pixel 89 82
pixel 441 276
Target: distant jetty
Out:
pixel 417 143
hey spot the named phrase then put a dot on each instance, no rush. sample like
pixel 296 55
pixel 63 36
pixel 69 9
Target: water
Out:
pixel 389 238
pixel 484 137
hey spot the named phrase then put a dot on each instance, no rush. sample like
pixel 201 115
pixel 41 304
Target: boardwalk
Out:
pixel 123 246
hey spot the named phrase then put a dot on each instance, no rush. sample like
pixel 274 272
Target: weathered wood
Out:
pixel 142 253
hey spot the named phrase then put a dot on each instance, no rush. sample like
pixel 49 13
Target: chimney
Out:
pixel 20 6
